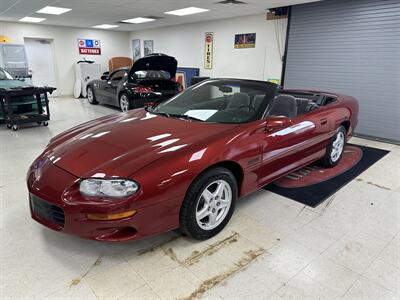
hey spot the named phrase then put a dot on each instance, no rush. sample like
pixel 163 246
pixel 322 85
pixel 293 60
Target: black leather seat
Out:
pixel 302 105
pixel 257 101
pixel 239 100
pixel 284 105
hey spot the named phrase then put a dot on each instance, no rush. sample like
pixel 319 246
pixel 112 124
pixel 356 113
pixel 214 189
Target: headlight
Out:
pixel 117 188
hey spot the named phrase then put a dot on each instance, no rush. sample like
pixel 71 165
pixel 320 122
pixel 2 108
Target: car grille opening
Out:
pixel 47 211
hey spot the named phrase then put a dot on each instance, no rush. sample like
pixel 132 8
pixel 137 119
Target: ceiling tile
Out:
pixel 87 13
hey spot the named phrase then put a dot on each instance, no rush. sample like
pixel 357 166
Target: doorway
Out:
pixel 41 62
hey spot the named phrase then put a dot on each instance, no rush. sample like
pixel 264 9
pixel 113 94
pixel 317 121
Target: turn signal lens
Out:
pixel 110 217
pixel 143 89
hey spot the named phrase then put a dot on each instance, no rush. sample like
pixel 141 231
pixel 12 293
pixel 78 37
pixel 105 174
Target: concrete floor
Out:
pixel 273 248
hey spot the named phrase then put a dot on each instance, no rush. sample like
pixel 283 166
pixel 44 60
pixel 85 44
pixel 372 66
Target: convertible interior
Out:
pixel 232 102
pixel 242 106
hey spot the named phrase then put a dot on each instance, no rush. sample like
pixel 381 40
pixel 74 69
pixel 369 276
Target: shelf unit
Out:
pixel 25 105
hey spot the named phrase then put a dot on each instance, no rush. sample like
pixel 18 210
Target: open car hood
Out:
pixel 155 62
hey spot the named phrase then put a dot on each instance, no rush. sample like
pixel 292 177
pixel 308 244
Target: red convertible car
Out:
pixel 183 163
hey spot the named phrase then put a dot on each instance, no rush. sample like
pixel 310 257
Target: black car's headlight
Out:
pixel 116 188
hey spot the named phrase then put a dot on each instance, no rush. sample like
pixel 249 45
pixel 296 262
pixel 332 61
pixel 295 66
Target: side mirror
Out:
pixel 104 77
pixel 276 122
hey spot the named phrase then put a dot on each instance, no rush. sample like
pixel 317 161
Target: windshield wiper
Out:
pixel 161 113
pixel 186 117
pixel 178 116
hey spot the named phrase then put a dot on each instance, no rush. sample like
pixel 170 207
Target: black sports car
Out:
pixel 149 80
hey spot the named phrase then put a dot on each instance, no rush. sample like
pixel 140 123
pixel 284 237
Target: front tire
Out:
pixel 90 96
pixel 124 103
pixel 335 149
pixel 209 204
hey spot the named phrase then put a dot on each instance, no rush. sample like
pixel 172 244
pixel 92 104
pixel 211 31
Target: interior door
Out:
pixel 41 62
pixel 111 85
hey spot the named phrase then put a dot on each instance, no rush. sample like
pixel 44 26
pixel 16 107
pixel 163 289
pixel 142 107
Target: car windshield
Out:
pixel 4 75
pixel 149 74
pixel 220 101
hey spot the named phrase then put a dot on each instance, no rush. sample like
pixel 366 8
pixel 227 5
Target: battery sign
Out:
pixel 89 47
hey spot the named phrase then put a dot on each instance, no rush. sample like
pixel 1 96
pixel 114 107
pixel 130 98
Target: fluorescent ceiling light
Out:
pixel 53 10
pixel 105 26
pixel 186 11
pixel 32 19
pixel 138 20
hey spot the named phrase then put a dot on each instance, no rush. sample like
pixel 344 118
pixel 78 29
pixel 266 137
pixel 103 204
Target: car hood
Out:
pixel 123 144
pixel 157 62
pixel 10 83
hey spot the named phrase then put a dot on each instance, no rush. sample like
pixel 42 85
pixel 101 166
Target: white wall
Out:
pixel 113 43
pixel 186 44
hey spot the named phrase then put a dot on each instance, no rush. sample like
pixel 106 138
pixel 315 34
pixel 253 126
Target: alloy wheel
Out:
pixel 124 103
pixel 90 95
pixel 337 146
pixel 213 204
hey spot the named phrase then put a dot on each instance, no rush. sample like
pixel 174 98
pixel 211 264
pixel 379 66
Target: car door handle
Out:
pixel 324 121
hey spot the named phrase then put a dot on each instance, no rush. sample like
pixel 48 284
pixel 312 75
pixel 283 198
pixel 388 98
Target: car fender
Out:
pixel 172 175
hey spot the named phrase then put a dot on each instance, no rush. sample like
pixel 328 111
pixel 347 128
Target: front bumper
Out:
pixel 56 203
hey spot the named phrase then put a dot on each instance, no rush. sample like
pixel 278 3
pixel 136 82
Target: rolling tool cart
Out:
pixel 25 105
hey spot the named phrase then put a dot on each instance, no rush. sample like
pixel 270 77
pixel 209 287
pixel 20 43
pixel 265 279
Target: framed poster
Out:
pixel 135 49
pixel 148 47
pixel 208 50
pixel 89 47
pixel 245 40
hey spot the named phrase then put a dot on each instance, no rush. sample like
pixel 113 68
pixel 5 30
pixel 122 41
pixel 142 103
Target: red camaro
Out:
pixel 183 163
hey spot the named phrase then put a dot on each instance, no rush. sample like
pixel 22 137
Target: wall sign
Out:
pixel 4 39
pixel 245 40
pixel 208 50
pixel 89 47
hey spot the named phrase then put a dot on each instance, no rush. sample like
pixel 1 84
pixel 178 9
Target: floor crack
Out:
pixel 76 281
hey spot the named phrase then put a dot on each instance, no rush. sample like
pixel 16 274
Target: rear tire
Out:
pixel 124 103
pixel 91 96
pixel 335 149
pixel 209 204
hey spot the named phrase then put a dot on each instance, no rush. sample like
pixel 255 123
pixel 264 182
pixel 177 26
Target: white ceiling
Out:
pixel 87 13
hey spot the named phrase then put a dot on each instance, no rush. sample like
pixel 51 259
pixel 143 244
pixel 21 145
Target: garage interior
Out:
pixel 279 244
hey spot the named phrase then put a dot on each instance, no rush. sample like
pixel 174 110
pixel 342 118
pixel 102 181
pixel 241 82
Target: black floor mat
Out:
pixel 313 195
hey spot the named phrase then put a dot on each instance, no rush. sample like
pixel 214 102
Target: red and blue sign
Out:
pixel 89 47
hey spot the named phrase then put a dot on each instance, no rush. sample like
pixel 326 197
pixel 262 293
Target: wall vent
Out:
pixel 231 2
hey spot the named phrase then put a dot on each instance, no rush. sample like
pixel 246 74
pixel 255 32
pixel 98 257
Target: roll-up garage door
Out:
pixel 351 47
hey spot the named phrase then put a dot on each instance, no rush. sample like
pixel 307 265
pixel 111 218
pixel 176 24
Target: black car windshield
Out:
pixel 150 74
pixel 4 75
pixel 220 101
